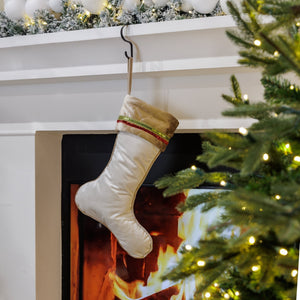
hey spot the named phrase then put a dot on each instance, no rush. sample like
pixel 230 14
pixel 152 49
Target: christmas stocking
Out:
pixel 144 131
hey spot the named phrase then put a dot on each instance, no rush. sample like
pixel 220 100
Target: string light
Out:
pixel 194 167
pixel 237 293
pixel 297 158
pixel 266 157
pixel 28 21
pixel 276 53
pixel 201 263
pixel 216 284
pixel 277 197
pixel 292 87
pixel 244 208
pixel 188 247
pixel 287 146
pixel 207 295
pixel 283 252
pixel 246 97
pixel 294 273
pixel 226 296
pixel 252 240
pixel 257 43
pixel 261 209
pixel 243 131
pixel 255 268
pixel 229 148
pixel 223 183
pixel 42 22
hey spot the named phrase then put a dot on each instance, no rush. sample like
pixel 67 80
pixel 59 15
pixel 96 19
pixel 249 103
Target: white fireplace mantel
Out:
pixel 185 45
pixel 70 81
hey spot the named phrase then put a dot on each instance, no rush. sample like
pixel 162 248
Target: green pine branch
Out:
pixel 280 91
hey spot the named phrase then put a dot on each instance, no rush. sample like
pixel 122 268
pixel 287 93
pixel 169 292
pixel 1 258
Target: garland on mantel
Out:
pixel 74 16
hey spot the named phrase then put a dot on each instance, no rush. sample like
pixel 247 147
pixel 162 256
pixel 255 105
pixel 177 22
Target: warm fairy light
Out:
pixel 297 158
pixel 298 24
pixel 223 183
pixel 277 197
pixel 229 148
pixel 287 146
pixel 257 43
pixel 255 268
pixel 266 157
pixel 207 295
pixel 226 296
pixel 283 252
pixel 237 293
pixel 194 167
pixel 243 131
pixel 252 240
pixel 294 273
pixel 276 53
pixel 246 97
pixel 216 284
pixel 292 87
pixel 28 21
pixel 190 12
pixel 261 209
pixel 109 6
pixel 201 263
pixel 244 208
pixel 188 247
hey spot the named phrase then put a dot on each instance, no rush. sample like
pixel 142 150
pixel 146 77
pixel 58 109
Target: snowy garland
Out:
pixel 43 16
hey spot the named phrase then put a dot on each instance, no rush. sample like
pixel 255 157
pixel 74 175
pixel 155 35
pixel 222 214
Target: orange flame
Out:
pixel 191 226
pixel 137 289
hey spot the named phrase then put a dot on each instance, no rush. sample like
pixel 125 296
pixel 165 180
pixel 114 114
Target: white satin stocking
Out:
pixel 110 198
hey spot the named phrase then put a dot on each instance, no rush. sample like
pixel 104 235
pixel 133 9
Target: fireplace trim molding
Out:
pixel 173 49
pixel 63 50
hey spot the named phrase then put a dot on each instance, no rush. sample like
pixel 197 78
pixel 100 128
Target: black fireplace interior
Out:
pixel 85 156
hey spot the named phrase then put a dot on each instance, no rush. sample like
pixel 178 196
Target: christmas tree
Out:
pixel 260 198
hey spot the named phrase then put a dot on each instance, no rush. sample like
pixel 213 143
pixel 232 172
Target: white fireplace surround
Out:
pixel 74 82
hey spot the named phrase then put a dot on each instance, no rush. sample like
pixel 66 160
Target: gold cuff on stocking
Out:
pixel 146 121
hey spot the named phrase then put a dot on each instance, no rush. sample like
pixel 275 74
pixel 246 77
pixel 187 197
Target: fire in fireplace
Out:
pixel 103 270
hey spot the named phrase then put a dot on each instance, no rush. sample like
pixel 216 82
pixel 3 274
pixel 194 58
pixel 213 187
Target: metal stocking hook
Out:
pixel 127 41
pixel 129 60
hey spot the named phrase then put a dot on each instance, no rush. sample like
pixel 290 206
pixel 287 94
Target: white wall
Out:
pixel 17 218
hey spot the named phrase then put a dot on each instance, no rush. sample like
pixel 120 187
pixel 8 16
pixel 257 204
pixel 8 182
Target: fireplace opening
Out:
pixel 94 266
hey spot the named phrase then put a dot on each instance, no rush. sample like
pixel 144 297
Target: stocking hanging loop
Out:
pixel 129 60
